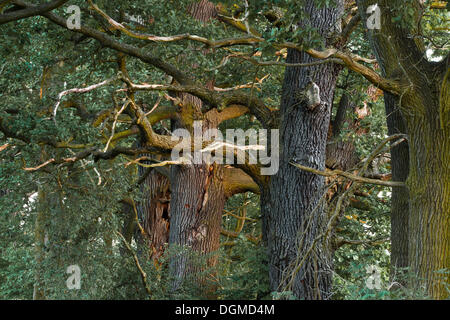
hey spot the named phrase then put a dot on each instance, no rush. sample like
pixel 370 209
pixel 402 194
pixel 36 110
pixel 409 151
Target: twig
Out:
pixel 138 265
pixel 114 124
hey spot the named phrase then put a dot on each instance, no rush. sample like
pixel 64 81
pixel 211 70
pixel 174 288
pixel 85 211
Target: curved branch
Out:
pixel 210 43
pixel 351 62
pixel 219 100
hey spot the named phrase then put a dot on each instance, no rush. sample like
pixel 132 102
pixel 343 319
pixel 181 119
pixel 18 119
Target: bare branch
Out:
pixel 211 44
pixel 351 62
pixel 81 90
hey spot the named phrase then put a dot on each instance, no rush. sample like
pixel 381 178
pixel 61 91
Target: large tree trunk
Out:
pixel 425 109
pixel 296 210
pixel 198 196
pixel 196 209
pixel 197 203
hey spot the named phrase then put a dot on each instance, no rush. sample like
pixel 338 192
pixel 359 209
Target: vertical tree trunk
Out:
pixel 154 210
pixel 296 210
pixel 197 202
pixel 400 195
pixel 429 215
pixel 202 10
pixel 425 110
pixel 198 196
pixel 340 154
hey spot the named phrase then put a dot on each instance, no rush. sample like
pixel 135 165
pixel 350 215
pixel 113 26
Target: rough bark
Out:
pixel 198 196
pixel 338 121
pixel 429 214
pixel 424 107
pixel 203 10
pixel 196 215
pixel 295 209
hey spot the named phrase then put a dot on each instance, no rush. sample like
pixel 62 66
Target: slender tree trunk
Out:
pixel 297 214
pixel 340 154
pixel 196 209
pixel 400 195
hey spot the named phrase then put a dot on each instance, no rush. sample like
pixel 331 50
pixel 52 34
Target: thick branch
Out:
pixel 30 11
pixel 237 181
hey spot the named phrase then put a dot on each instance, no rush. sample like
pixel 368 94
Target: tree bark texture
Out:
pixel 424 106
pixel 400 195
pixel 296 214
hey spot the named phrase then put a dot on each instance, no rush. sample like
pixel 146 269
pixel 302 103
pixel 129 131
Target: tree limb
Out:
pixel 237 181
pixel 350 176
